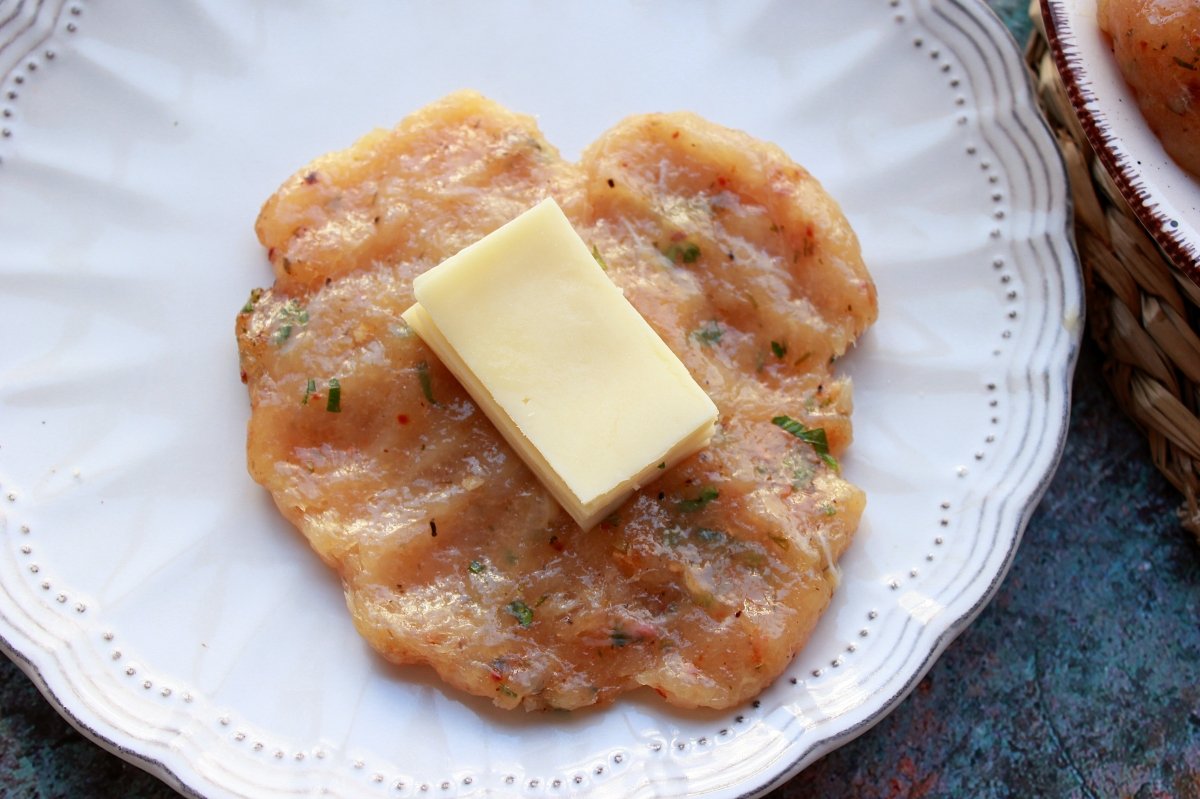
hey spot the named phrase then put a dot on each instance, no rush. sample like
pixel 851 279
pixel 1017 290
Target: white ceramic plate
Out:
pixel 149 587
pixel 1165 198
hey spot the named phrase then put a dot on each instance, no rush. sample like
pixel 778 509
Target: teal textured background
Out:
pixel 1081 679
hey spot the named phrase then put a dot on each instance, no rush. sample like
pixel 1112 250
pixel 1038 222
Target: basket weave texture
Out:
pixel 1142 309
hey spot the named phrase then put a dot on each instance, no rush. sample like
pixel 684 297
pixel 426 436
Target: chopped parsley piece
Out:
pixel 599 258
pixel 476 567
pixel 621 638
pixel 250 303
pixel 1186 65
pixel 426 382
pixel 290 315
pixel 800 469
pixel 707 495
pixel 334 403
pixel 682 252
pixel 752 560
pixel 709 333
pixel 522 612
pixel 294 311
pixel 779 348
pixel 662 465
pixel 309 390
pixel 815 436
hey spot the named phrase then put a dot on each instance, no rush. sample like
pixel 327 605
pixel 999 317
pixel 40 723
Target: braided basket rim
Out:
pixel 1181 255
pixel 1129 281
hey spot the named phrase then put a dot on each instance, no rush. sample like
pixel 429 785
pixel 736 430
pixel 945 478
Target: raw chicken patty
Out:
pixel 1157 47
pixel 704 584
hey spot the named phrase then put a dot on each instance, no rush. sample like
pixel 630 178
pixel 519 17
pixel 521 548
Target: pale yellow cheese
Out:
pixel 568 371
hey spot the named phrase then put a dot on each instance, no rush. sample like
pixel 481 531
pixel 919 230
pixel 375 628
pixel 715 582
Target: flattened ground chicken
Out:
pixel 705 583
pixel 1157 47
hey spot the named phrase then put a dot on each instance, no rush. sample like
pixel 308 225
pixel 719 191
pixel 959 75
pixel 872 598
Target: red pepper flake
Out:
pixel 433 528
pixel 675 135
pixel 245 377
pixel 310 178
pixel 402 418
pixel 721 181
pixel 556 545
pixel 271 254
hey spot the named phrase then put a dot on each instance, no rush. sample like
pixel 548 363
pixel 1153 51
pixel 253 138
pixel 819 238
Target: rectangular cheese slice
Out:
pixel 569 372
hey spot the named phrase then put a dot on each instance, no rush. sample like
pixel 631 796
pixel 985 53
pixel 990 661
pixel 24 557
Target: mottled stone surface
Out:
pixel 1081 679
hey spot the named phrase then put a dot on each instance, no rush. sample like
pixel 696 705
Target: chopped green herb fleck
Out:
pixel 816 437
pixel 662 465
pixel 522 612
pixel 686 252
pixel 291 314
pixel 334 403
pixel 779 348
pixel 476 567
pixel 504 689
pixel 621 638
pixel 707 495
pixel 294 311
pixel 250 303
pixel 802 473
pixel 709 333
pixel 599 258
pixel 309 389
pixel 426 382
pixel 829 509
pixel 752 559
pixel 1179 61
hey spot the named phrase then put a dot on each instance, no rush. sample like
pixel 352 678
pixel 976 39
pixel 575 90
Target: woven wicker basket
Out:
pixel 1142 309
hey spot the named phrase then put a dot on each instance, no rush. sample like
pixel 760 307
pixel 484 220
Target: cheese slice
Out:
pixel 569 372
